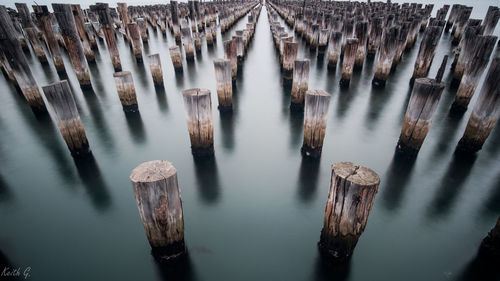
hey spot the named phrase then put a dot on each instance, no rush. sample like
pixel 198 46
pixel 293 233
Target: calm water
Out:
pixel 256 211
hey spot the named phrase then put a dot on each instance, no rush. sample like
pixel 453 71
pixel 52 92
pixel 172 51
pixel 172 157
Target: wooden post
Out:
pixel 441 69
pixel 208 35
pixel 199 120
pixel 299 84
pixel 489 251
pixel 224 84
pixel 230 54
pixel 426 52
pixel 66 21
pixel 158 198
pixel 347 30
pixel 197 42
pixel 490 21
pixel 187 42
pixel 485 113
pixel 37 46
pixel 155 68
pixel 12 50
pixel 175 55
pixel 143 27
pixel 124 16
pixel 65 115
pixel 80 27
pixel 45 25
pixel 315 113
pixel 25 15
pixel 460 23
pixel 401 44
pixel 376 31
pixel 452 16
pixel 107 27
pixel 126 90
pixel 240 48
pixel 350 199
pixel 418 118
pixel 322 41
pixel 175 20
pixel 290 50
pixel 361 32
pixel 313 44
pixel 350 50
pixel 465 56
pixel 91 35
pixel 334 49
pixel 135 37
pixel 477 63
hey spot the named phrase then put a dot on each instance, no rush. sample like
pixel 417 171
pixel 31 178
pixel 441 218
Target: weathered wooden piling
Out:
pixel 82 32
pixel 12 50
pixel 489 252
pixel 442 67
pixel 375 37
pixel 315 113
pixel 43 17
pixel 230 54
pixel 314 37
pixel 158 197
pixel 126 90
pixel 223 77
pixel 299 84
pixel 290 50
pixel 67 25
pixel 143 27
pixel 477 63
pixel 347 31
pixel 208 35
pixel 107 27
pixel 197 42
pixel 350 50
pixel 24 15
pixel 465 56
pixel 361 33
pixel 460 23
pixel 490 20
pixel 199 120
pixel 426 52
pixel 401 44
pixel 350 199
pixel 187 42
pixel 155 68
pixel 175 55
pixel 65 115
pixel 418 118
pixel 174 12
pixel 322 41
pixel 135 37
pixel 452 16
pixel 37 46
pixel 485 113
pixel 124 17
pixel 334 49
pixel 240 48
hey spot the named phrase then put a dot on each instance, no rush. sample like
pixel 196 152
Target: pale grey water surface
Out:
pixel 254 212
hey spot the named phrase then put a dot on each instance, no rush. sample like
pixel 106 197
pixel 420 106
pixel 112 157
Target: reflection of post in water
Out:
pixel 326 271
pixel 296 125
pixel 207 178
pixel 92 179
pixel 227 119
pixel 182 269
pixel 397 177
pixel 377 101
pixel 448 131
pixel 492 205
pixel 161 97
pixel 308 178
pixel 451 184
pixel 5 192
pixel 98 118
pixel 485 265
pixel 136 126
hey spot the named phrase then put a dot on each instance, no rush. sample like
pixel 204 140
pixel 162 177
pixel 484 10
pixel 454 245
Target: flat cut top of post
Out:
pixel 152 171
pixel 174 48
pixel 317 93
pixel 121 73
pixel 196 92
pixel 356 174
